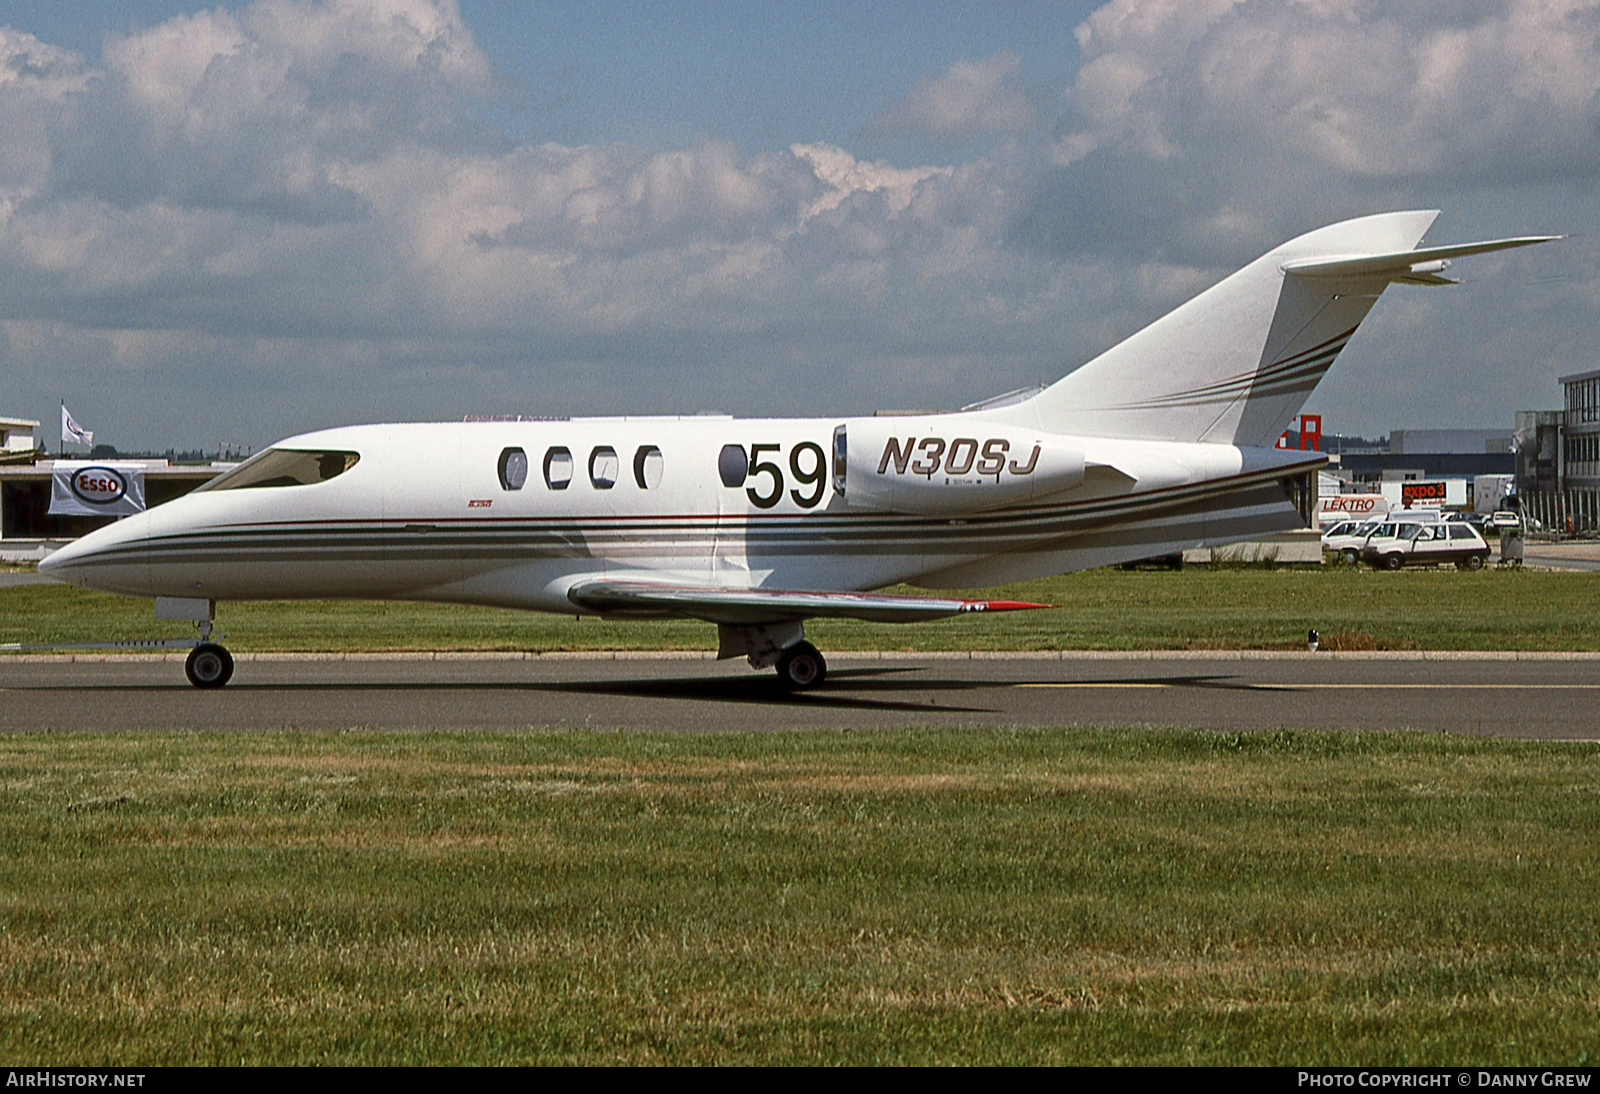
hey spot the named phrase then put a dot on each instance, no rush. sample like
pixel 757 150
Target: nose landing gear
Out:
pixel 209 666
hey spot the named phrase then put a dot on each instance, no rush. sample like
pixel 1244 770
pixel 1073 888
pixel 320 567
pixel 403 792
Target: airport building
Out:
pixel 1581 432
pixel 28 530
pixel 1430 454
pixel 1456 468
pixel 16 436
pixel 1558 458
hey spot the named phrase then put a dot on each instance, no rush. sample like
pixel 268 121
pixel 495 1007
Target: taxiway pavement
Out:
pixel 1551 696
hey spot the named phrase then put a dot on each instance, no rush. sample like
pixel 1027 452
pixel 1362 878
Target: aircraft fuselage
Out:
pixel 513 514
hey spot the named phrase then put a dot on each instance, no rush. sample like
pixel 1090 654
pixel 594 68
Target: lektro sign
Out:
pixel 80 489
pixel 1355 505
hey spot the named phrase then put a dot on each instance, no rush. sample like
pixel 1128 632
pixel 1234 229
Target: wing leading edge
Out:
pixel 749 607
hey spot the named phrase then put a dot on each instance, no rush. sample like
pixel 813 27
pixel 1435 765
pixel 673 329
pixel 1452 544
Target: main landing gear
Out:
pixel 800 665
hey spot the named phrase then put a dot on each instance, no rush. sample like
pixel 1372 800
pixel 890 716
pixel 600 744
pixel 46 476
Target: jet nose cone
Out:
pixel 109 559
pixel 54 564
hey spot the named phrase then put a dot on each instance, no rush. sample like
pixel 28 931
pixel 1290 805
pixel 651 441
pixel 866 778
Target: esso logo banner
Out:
pixel 99 485
pixel 79 489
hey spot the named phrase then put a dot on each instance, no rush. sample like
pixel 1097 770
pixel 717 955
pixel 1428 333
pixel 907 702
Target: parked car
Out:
pixel 1347 539
pixel 1394 545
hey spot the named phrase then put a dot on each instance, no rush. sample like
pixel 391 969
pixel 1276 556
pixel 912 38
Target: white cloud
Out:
pixel 845 175
pixel 968 98
pixel 292 214
pixel 1366 89
pixel 263 199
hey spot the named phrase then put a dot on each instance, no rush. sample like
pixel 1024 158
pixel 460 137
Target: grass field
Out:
pixel 1222 607
pixel 1081 895
pixel 917 896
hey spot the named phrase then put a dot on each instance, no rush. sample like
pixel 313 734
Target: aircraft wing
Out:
pixel 1421 266
pixel 746 607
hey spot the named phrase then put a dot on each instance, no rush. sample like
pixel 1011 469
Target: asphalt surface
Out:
pixel 1571 555
pixel 1552 696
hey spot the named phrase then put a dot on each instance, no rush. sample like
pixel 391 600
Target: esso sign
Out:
pixel 99 485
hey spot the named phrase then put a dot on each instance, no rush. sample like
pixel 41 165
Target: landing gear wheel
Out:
pixel 209 666
pixel 801 667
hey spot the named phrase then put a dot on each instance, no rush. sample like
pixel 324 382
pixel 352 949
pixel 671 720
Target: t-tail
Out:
pixel 1236 363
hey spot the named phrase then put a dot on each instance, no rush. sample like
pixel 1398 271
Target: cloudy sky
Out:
pixel 236 222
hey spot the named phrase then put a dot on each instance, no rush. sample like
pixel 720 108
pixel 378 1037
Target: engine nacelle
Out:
pixel 936 465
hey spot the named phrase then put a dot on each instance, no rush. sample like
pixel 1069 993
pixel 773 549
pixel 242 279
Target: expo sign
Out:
pixel 1422 493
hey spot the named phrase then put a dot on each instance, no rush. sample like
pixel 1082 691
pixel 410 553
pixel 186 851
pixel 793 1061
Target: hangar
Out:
pixel 29 531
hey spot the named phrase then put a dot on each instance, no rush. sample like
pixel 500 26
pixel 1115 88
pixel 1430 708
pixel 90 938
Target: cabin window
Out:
pixel 557 468
pixel 513 469
pixel 647 467
pixel 603 467
pixel 841 459
pixel 283 467
pixel 733 464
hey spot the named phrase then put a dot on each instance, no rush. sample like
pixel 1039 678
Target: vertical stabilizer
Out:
pixel 1237 362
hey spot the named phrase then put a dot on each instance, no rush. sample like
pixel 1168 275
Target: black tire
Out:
pixel 1473 562
pixel 209 666
pixel 801 667
pixel 1394 562
pixel 1350 556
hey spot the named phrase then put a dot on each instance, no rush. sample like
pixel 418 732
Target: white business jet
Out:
pixel 1163 442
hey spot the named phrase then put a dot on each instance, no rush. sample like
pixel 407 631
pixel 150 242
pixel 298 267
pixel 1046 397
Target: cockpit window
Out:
pixel 283 467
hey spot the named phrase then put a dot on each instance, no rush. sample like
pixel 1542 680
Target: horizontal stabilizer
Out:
pixel 752 606
pixel 1403 265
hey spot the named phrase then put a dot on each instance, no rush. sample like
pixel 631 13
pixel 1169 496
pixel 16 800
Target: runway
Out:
pixel 1553 696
